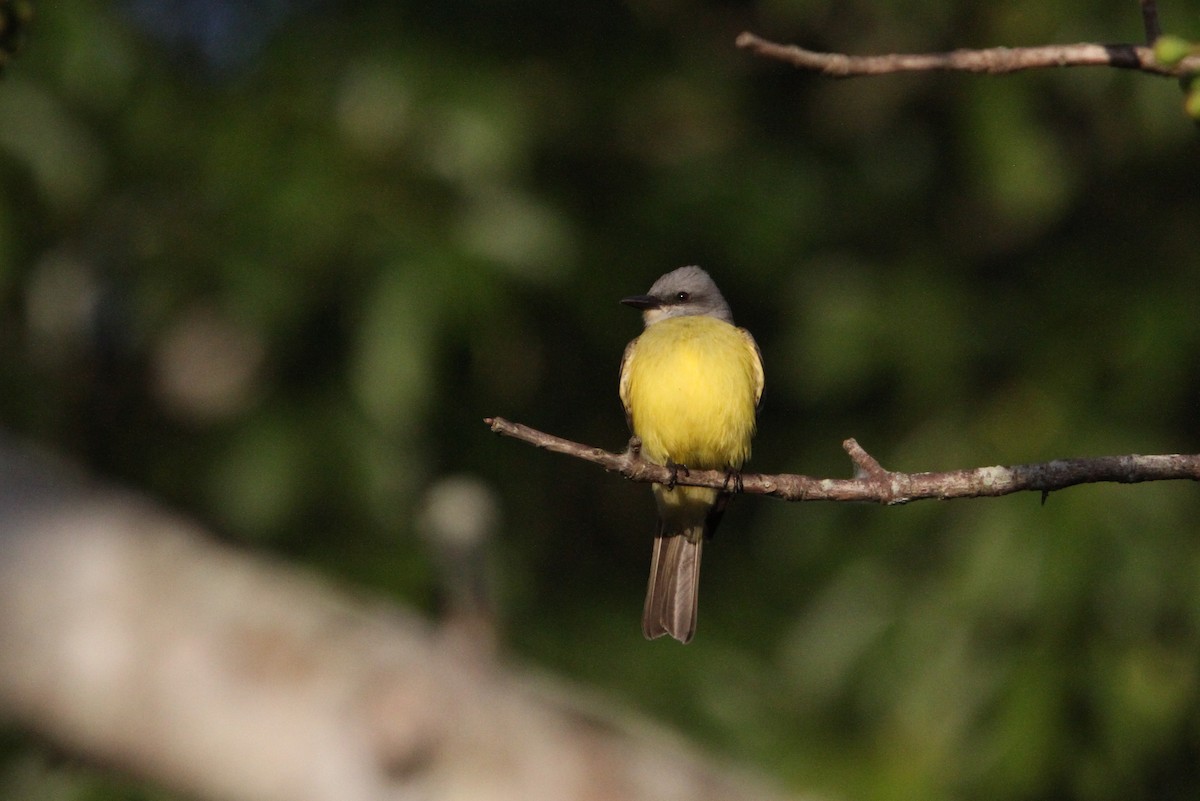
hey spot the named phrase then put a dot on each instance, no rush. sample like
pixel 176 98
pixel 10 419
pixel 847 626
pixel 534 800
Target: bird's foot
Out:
pixel 733 477
pixel 675 469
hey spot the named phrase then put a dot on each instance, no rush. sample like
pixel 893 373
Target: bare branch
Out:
pixel 992 60
pixel 872 482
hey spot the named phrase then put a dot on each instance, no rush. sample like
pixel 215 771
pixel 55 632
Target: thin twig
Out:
pixel 1150 21
pixel 992 60
pixel 875 484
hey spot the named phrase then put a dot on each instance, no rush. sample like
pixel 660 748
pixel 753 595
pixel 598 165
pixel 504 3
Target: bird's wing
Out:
pixel 623 386
pixel 759 376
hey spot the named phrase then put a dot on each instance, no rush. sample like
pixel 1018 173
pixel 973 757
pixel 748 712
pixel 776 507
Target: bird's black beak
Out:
pixel 642 302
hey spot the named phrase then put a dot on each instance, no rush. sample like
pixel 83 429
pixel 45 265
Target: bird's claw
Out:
pixel 675 469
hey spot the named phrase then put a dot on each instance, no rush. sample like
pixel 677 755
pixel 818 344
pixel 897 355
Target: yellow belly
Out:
pixel 691 393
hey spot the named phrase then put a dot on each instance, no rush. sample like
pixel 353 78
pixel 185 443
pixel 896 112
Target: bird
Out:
pixel 690 384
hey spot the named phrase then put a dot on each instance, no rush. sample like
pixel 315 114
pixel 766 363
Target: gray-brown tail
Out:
pixel 674 588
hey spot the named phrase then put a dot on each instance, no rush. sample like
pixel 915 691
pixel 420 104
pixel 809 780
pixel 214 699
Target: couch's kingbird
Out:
pixel 690 385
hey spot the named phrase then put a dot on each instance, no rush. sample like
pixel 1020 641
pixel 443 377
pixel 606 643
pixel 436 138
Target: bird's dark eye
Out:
pixel 681 296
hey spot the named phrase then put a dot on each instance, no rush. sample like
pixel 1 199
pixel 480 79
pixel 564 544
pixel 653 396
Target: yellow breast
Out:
pixel 691 389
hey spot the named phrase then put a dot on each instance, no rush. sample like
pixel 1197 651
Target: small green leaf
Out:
pixel 1191 103
pixel 1170 50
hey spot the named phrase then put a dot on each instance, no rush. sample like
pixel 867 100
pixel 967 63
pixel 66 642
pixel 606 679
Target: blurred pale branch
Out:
pixel 872 482
pixel 992 60
pixel 133 639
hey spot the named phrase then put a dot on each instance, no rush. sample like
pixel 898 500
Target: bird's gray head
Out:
pixel 682 292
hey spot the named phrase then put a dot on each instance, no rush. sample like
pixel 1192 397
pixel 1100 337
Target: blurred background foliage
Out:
pixel 272 261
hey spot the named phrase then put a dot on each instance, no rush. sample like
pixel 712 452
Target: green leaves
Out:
pixel 1191 100
pixel 1171 50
